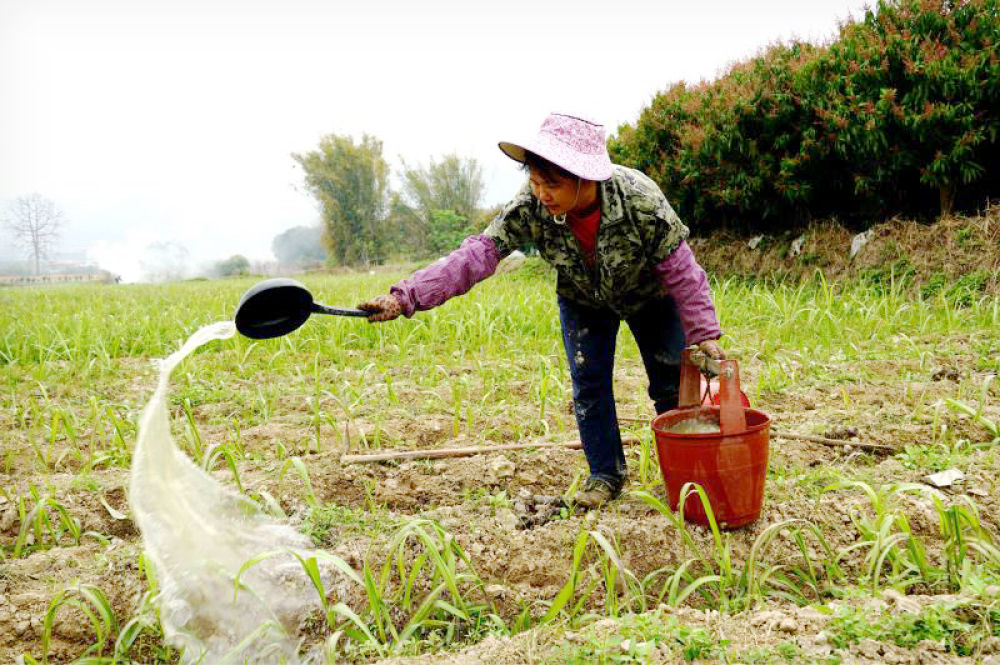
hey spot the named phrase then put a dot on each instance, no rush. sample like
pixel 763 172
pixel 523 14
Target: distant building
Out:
pixel 55 272
pixel 102 276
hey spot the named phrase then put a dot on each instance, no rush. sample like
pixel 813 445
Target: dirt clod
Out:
pixel 949 373
pixel 841 433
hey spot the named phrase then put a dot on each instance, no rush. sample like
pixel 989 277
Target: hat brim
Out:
pixel 588 167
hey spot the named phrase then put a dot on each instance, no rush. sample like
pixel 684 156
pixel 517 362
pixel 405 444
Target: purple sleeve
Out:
pixel 685 280
pixel 449 276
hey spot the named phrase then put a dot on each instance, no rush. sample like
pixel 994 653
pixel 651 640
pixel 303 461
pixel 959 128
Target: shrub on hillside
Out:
pixel 915 88
pixel 898 115
pixel 730 151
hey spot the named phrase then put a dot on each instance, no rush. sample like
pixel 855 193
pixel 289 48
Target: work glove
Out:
pixel 711 348
pixel 382 308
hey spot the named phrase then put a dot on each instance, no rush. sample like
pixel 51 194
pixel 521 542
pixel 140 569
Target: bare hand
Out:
pixel 382 308
pixel 711 348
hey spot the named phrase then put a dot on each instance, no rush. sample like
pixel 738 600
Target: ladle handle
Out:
pixel 320 308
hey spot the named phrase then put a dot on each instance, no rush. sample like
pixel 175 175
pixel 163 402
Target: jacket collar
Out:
pixel 612 206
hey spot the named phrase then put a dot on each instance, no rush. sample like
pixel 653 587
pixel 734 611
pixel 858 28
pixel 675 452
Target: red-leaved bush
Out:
pixel 899 115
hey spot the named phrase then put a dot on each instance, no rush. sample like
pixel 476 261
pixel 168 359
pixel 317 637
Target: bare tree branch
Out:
pixel 35 222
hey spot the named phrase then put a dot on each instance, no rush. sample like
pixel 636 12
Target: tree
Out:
pixel 407 231
pixel 454 183
pixel 235 265
pixel 445 197
pixel 299 244
pixel 350 182
pixel 914 99
pixel 35 222
pixel 447 230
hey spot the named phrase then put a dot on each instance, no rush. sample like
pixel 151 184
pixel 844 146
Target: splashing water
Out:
pixel 198 534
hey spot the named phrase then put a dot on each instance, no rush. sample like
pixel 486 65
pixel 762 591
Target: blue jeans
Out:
pixel 589 336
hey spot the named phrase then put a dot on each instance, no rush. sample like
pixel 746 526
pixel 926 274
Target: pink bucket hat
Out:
pixel 573 143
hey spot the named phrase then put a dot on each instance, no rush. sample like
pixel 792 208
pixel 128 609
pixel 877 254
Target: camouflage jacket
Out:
pixel 638 230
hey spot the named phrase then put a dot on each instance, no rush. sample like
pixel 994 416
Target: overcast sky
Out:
pixel 175 120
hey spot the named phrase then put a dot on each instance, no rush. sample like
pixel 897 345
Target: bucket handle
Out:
pixel 732 416
pixel 690 394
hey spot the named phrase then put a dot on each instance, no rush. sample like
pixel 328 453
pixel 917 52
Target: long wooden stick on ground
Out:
pixel 440 453
pixel 833 442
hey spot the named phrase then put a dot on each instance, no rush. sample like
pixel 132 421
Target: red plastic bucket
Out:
pixel 731 465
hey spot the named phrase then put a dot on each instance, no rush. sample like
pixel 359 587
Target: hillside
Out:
pixel 957 255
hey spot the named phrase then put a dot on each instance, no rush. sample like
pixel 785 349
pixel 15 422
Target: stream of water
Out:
pixel 198 533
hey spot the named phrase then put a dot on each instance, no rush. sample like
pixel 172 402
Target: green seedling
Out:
pixel 295 462
pixel 94 605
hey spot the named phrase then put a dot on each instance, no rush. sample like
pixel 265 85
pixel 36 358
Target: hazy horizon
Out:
pixel 176 122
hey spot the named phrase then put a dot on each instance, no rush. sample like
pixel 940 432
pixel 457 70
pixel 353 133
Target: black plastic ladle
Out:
pixel 278 306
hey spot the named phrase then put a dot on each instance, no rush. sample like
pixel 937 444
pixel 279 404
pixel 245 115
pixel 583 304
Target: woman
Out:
pixel 619 252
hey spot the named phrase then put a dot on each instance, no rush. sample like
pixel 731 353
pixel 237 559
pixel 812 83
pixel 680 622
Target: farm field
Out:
pixel 854 559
